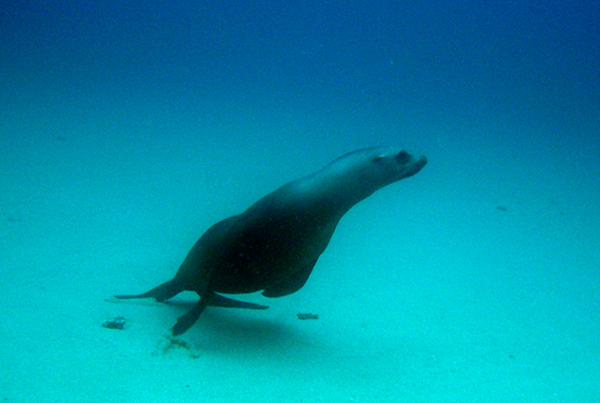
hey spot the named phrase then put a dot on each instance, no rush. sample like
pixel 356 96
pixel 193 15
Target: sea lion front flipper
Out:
pixel 224 302
pixel 291 284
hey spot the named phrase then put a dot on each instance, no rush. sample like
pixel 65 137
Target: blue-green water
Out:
pixel 128 128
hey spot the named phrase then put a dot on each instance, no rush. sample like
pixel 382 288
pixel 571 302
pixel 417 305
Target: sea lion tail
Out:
pixel 160 293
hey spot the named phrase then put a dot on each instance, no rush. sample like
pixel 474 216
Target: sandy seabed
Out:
pixel 451 286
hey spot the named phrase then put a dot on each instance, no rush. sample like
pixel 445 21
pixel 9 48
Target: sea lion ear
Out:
pixel 403 157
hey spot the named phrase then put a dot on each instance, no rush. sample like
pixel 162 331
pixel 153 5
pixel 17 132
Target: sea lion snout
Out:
pixel 417 165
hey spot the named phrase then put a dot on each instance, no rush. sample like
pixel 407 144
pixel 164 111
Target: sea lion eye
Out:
pixel 378 158
pixel 403 157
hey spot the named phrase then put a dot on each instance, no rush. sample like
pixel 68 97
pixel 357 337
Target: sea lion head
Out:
pixel 358 174
pixel 395 164
pixel 378 165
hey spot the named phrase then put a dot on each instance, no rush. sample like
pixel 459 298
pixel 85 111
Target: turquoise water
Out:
pixel 126 130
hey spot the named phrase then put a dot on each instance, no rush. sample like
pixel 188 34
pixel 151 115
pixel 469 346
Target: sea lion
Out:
pixel 273 246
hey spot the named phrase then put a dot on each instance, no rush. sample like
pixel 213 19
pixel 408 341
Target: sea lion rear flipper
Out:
pixel 224 302
pixel 160 293
pixel 291 284
pixel 186 321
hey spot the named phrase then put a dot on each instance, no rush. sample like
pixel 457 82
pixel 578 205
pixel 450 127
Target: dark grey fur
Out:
pixel 274 245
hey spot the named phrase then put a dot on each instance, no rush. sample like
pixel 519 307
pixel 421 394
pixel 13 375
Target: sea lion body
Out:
pixel 274 245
